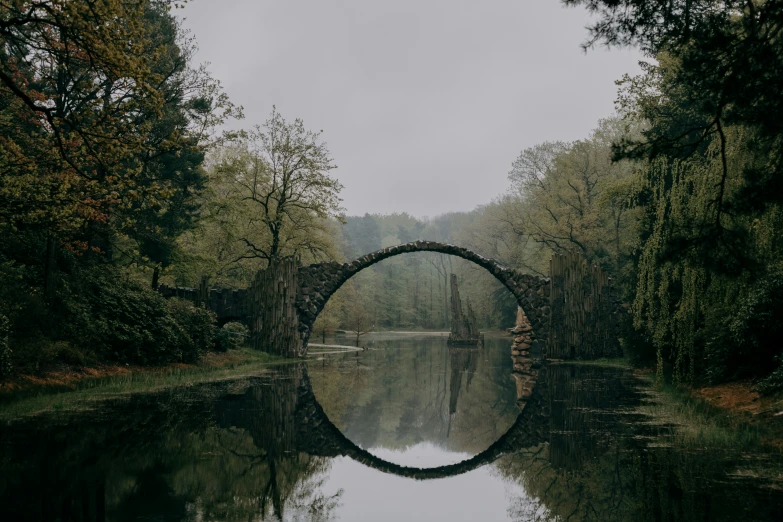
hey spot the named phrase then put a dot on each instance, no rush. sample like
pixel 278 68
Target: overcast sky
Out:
pixel 423 104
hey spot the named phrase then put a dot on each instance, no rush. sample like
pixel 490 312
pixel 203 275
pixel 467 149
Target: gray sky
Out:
pixel 424 104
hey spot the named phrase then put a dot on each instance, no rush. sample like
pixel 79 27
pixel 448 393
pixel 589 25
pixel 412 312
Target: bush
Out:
pixel 37 353
pixel 124 321
pixel 5 349
pixel 774 381
pixel 757 326
pixel 232 336
pixel 198 328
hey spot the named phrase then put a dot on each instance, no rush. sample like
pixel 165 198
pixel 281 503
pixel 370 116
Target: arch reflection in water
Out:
pixel 261 449
pixel 418 402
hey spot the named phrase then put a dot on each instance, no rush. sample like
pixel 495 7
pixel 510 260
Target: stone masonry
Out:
pixel 318 282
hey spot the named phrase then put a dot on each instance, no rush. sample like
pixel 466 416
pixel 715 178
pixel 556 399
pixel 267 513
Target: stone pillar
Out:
pixel 525 369
pixel 583 310
pixel 274 321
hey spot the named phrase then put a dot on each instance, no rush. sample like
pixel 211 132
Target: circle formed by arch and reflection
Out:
pixel 318 282
pixel 317 435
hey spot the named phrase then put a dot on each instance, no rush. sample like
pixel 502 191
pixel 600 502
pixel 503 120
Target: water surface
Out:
pixel 407 429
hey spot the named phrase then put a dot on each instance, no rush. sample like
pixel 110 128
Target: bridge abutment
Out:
pixel 274 320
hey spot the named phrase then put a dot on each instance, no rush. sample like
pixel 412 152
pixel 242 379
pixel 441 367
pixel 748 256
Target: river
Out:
pixel 406 429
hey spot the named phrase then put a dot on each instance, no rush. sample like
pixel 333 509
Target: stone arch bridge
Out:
pixel 284 417
pixel 284 300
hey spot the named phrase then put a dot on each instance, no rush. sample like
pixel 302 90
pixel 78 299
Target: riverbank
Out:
pixel 720 415
pixel 67 387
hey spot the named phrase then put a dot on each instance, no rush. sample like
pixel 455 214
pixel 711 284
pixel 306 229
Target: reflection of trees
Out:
pixel 288 479
pixel 462 361
pixel 408 391
pixel 576 476
pixel 596 466
pixel 197 455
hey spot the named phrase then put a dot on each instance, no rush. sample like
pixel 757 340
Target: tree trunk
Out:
pixel 430 322
pixel 155 276
pixel 446 322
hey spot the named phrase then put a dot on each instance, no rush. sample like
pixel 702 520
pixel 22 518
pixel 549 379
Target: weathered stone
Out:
pixel 318 281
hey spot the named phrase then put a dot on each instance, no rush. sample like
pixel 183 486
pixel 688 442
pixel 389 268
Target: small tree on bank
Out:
pixel 361 321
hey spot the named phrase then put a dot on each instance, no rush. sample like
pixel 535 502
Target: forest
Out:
pixel 117 174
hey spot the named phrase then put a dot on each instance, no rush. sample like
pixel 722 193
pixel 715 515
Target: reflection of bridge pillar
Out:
pixel 267 412
pixel 576 393
pixel 274 325
pixel 525 367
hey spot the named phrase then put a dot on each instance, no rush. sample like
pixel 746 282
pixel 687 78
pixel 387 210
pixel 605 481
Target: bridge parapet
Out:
pixel 228 304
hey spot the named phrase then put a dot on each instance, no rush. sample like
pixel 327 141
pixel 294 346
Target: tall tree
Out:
pixel 574 197
pixel 711 178
pixel 285 174
pixel 76 78
pixel 194 106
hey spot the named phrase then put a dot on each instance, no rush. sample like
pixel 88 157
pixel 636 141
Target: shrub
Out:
pixel 757 326
pixel 232 336
pixel 774 381
pixel 124 321
pixel 198 331
pixel 38 353
pixel 5 349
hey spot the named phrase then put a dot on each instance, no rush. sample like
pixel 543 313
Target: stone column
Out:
pixel 274 321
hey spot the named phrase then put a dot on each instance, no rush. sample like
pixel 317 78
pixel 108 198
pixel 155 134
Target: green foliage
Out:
pixel 711 168
pixel 123 321
pixel 38 353
pixel 198 329
pixel 5 349
pixel 362 235
pixel 573 197
pixel 774 381
pixel 87 186
pixel 702 270
pixel 756 331
pixel 272 196
pixel 247 215
pixel 231 336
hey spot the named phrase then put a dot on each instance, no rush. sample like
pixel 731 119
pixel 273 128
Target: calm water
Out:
pixel 406 430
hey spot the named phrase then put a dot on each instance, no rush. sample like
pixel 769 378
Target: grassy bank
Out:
pixel 696 423
pixel 618 362
pixel 729 415
pixel 77 389
pixel 713 417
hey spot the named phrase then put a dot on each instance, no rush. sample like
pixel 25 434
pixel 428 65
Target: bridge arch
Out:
pixel 318 282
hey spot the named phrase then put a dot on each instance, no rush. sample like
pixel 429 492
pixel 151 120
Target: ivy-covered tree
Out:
pixel 711 176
